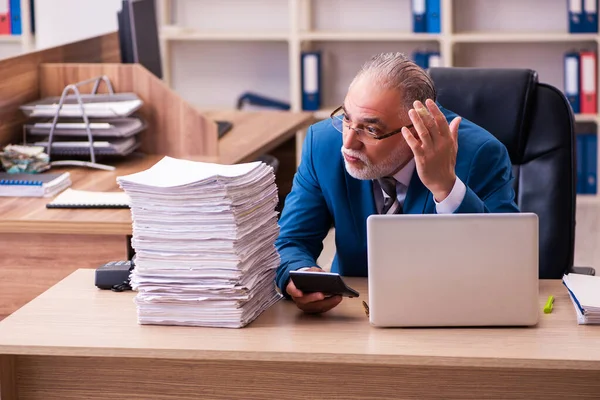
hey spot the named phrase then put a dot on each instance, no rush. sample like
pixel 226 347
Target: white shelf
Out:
pixel 13 45
pixel 268 36
pixel 174 33
pixel 588 199
pixel 523 37
pixel 11 39
pixel 369 36
pixel 586 117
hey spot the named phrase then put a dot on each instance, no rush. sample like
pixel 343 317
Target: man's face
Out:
pixel 369 107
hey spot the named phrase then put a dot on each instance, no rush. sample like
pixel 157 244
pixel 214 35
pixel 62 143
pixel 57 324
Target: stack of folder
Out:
pixel 584 291
pixel 204 236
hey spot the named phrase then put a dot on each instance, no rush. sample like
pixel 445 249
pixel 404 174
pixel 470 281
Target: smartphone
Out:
pixel 328 283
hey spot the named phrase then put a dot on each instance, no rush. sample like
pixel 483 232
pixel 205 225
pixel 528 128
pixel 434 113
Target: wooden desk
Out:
pixel 253 134
pixel 256 133
pixel 30 215
pixel 76 342
pixel 40 246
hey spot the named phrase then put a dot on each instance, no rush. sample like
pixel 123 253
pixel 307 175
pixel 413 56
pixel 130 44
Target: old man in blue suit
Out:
pixel 389 148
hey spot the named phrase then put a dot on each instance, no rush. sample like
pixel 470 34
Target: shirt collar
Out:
pixel 405 174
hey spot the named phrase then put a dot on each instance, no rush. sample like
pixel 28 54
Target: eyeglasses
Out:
pixel 368 134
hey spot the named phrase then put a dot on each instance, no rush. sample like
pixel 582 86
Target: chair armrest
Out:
pixel 582 270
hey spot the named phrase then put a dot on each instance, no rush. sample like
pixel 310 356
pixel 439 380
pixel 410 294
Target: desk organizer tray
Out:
pixel 100 128
pixel 115 147
pixel 95 106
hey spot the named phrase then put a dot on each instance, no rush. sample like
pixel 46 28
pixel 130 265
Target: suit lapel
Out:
pixel 362 203
pixel 417 196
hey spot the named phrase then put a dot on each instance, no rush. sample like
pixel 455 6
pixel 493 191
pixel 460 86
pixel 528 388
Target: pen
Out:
pixel 366 307
pixel 548 306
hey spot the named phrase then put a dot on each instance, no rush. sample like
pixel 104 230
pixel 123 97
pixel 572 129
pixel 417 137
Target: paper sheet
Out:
pixel 204 238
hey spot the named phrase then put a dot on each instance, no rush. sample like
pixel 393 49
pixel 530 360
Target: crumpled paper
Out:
pixel 24 159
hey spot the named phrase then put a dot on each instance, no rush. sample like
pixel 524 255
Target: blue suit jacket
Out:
pixel 325 195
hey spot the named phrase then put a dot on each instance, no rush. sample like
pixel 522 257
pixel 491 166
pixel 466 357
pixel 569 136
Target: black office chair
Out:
pixel 536 124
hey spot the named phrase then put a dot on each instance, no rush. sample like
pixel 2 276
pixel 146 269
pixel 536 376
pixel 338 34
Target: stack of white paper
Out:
pixel 204 236
pixel 584 291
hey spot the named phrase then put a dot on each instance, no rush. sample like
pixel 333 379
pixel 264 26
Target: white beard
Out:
pixel 373 171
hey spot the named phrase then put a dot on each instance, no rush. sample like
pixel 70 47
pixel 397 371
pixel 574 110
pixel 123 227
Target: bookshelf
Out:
pixel 12 45
pixel 214 51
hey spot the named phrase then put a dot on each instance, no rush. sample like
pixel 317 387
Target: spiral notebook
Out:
pixel 33 185
pixel 72 198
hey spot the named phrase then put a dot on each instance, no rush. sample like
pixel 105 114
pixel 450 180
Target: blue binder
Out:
pixel 427 59
pixel 575 11
pixel 572 80
pixel 419 16
pixel 591 162
pixel 580 158
pixel 311 80
pixel 433 16
pixel 15 17
pixel 421 58
pixel 254 99
pixel 590 16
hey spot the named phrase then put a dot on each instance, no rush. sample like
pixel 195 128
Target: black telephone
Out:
pixel 114 275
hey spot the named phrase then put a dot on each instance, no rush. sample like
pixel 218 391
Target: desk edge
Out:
pixel 324 358
pixel 66 227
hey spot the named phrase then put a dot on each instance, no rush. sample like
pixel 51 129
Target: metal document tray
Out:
pixel 95 105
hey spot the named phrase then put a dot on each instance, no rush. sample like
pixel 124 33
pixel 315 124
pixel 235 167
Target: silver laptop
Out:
pixel 453 270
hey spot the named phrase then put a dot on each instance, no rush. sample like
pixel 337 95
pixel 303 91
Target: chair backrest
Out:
pixel 536 124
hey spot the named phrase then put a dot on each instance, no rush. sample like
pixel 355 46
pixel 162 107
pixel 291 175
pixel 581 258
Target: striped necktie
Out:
pixel 391 205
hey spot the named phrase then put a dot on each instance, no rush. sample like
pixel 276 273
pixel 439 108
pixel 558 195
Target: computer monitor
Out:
pixel 138 34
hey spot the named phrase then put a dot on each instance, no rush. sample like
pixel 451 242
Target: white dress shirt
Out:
pixel 446 206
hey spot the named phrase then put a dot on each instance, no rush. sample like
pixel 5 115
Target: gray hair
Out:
pixel 396 71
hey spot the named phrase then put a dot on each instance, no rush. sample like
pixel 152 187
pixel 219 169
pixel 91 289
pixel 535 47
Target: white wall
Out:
pixel 214 74
pixel 63 21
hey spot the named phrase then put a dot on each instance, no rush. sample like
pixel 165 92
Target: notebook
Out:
pixel 72 198
pixel 33 185
pixel 584 291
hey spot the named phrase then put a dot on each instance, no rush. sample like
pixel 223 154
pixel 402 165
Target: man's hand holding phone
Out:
pixel 312 303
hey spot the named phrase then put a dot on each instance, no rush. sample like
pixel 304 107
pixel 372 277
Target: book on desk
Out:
pixel 72 198
pixel 584 291
pixel 33 185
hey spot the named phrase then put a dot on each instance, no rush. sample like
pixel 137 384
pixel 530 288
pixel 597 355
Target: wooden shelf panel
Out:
pixel 591 199
pixel 11 38
pixel 369 36
pixel 182 34
pixel 509 37
pixel 586 117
